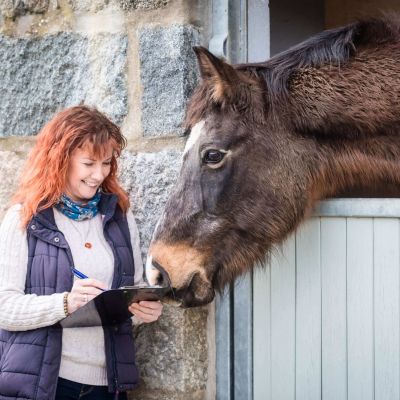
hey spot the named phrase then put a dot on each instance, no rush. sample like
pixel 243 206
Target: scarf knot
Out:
pixel 78 211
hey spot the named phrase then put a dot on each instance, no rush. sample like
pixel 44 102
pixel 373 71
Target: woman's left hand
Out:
pixel 146 311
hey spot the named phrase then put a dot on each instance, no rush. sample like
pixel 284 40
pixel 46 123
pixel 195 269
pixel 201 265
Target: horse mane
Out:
pixel 333 47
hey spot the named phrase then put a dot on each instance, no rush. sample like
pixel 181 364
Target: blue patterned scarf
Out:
pixel 78 211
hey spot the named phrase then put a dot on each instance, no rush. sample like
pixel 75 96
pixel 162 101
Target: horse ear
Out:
pixel 219 75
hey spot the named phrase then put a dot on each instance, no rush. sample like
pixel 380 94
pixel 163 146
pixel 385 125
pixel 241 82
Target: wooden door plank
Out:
pixel 360 308
pixel 308 311
pixel 243 337
pixel 262 332
pixel 283 321
pixel 334 326
pixel 386 313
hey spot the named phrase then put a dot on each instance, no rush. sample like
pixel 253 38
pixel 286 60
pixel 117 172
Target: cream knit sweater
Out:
pixel 83 354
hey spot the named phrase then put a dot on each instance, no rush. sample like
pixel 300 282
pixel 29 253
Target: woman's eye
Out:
pixel 213 157
pixel 107 163
pixel 88 164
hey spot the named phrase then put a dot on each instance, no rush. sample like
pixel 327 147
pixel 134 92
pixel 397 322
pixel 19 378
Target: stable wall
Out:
pixel 294 21
pixel 341 12
pixel 132 59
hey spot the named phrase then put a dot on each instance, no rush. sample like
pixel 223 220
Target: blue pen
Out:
pixel 81 275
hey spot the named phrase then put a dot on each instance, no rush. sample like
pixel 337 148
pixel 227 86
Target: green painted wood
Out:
pixel 224 343
pixel 330 326
pixel 386 308
pixel 384 208
pixel 243 338
pixel 283 321
pixel 360 329
pixel 308 311
pixel 334 308
pixel 262 332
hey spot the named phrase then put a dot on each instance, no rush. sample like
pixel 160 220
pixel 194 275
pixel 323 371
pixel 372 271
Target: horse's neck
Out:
pixel 364 167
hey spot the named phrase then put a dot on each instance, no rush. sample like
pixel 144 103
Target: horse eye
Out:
pixel 213 156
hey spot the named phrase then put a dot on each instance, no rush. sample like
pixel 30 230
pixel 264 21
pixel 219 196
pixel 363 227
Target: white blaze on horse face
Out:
pixel 194 136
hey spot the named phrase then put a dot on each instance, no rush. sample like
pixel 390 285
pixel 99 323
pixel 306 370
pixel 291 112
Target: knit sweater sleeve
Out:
pixel 20 311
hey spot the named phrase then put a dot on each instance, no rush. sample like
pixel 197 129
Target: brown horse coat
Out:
pixel 270 139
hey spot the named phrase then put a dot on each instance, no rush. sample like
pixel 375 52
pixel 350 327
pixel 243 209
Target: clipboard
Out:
pixel 111 306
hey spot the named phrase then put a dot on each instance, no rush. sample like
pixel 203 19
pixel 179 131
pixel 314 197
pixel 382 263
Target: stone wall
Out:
pixel 133 60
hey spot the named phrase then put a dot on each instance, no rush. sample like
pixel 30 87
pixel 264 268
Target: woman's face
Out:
pixel 86 173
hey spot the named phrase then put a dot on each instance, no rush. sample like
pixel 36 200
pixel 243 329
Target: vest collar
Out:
pixel 43 225
pixel 45 219
pixel 107 205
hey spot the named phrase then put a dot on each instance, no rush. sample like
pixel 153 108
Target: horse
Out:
pixel 266 142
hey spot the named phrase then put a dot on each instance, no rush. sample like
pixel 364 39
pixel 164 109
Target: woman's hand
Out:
pixel 146 311
pixel 83 291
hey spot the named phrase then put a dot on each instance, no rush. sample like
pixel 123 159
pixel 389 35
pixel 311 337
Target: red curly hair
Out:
pixel 44 177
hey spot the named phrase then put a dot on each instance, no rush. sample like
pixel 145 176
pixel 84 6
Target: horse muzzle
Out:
pixel 196 292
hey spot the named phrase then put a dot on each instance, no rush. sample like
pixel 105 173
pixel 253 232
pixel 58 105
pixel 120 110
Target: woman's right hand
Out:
pixel 82 292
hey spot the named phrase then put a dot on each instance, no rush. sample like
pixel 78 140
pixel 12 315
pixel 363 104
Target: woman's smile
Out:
pixel 91 184
pixel 87 172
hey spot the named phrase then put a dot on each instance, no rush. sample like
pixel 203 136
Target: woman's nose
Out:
pixel 99 174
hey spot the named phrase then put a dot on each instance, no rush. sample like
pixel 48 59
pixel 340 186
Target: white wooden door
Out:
pixel 326 307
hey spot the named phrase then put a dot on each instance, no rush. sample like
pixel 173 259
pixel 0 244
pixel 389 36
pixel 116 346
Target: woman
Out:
pixel 69 212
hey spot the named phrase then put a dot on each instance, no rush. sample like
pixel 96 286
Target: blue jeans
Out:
pixel 68 390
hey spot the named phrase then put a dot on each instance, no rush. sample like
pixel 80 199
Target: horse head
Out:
pixel 266 142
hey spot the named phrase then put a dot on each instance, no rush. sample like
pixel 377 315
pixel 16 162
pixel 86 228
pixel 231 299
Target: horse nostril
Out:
pixel 160 279
pixel 156 274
